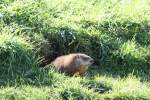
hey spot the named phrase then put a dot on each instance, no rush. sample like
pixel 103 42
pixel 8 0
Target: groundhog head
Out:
pixel 83 60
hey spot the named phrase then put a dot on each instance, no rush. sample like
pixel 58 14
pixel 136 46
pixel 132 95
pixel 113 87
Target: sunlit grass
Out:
pixel 114 32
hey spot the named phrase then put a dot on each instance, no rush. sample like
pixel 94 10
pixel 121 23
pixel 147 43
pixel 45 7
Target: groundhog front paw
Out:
pixel 77 74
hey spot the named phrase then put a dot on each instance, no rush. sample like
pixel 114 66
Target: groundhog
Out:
pixel 72 64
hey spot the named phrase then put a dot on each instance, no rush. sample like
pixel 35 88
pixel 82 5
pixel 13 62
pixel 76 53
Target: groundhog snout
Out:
pixel 92 61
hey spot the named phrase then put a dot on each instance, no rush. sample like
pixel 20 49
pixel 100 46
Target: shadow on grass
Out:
pixel 137 67
pixel 99 87
pixel 35 76
pixel 125 30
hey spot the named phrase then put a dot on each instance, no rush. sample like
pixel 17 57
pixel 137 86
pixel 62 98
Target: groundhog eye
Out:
pixel 85 58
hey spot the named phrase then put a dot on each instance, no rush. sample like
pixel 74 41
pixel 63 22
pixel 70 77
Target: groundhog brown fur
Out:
pixel 73 63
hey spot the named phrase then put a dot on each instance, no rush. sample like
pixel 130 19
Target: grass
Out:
pixel 99 87
pixel 116 33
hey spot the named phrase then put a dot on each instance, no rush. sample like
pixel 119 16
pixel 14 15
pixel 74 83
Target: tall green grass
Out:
pixel 16 57
pixel 114 32
pixel 97 88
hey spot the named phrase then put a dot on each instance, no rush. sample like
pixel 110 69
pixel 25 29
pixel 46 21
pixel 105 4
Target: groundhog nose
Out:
pixel 92 61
